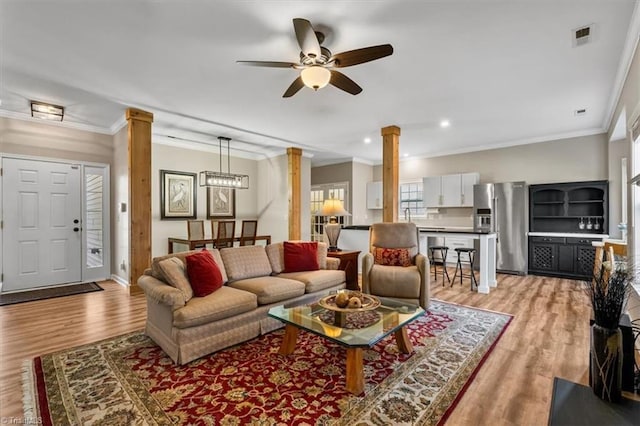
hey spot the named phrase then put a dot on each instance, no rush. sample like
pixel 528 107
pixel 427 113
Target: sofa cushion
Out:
pixel 392 256
pixel 316 280
pixel 245 262
pixel 204 274
pixel 300 256
pixel 406 281
pixel 223 303
pixel 175 275
pixel 157 273
pixel 270 289
pixel 275 252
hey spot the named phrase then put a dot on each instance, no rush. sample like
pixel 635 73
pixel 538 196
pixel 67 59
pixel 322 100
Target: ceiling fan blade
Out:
pixel 293 89
pixel 343 82
pixel 270 64
pixel 359 56
pixel 307 38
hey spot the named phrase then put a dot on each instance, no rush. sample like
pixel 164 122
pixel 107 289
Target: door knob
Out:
pixel 76 229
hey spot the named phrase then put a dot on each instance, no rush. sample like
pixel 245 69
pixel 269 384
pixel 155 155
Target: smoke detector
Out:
pixel 581 36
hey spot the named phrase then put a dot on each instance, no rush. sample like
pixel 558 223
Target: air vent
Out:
pixel 581 36
pixel 580 112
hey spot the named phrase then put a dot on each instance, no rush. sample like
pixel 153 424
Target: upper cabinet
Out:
pixel 569 207
pixel 449 190
pixel 374 195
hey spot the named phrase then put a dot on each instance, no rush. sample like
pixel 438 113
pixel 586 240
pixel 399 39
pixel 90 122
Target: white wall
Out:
pixel 361 175
pixel 273 197
pixel 120 239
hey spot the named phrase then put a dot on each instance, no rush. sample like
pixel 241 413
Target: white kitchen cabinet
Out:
pixel 374 195
pixel 456 242
pixel 455 190
pixel 466 193
pixel 432 191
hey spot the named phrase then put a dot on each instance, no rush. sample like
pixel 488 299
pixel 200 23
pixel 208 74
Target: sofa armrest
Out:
pixel 161 292
pixel 333 263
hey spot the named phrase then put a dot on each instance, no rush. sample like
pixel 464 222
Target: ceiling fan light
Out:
pixel 315 77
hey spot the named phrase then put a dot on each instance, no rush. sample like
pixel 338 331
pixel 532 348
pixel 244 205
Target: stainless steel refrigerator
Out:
pixel 501 208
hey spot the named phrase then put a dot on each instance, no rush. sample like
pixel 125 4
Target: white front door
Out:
pixel 42 229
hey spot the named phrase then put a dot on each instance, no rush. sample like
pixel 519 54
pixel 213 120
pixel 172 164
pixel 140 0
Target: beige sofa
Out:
pixel 188 327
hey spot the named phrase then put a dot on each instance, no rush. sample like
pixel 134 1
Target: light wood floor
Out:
pixel 548 337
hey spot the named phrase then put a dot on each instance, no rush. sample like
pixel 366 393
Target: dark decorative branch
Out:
pixel 609 294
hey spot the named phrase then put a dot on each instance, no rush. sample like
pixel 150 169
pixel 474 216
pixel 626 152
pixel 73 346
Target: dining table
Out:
pixel 194 243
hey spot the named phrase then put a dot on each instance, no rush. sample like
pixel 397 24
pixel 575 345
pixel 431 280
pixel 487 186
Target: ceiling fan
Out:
pixel 317 64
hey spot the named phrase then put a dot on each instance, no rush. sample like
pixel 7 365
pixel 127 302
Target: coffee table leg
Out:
pixel 289 340
pixel 355 371
pixel 403 341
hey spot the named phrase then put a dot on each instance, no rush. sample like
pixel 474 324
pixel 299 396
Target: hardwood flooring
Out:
pixel 549 336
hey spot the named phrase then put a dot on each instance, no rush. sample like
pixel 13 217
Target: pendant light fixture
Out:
pixel 224 179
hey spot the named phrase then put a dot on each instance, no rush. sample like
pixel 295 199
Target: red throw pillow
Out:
pixel 204 274
pixel 301 256
pixel 392 257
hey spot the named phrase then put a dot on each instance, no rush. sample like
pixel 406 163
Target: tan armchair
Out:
pixel 410 283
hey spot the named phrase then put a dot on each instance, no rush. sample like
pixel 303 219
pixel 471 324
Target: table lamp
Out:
pixel 333 208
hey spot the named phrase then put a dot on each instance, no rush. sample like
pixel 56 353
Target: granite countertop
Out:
pixel 567 234
pixel 439 229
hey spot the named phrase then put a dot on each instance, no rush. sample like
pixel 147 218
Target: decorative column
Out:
pixel 294 156
pixel 390 180
pixel 139 124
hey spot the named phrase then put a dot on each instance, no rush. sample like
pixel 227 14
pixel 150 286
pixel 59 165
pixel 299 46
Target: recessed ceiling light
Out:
pixel 405 154
pixel 367 140
pixel 445 123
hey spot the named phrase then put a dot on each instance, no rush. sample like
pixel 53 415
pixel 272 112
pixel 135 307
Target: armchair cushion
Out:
pixel 392 256
pixel 395 281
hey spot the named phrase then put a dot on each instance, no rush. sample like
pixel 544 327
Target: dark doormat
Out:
pixel 574 404
pixel 47 293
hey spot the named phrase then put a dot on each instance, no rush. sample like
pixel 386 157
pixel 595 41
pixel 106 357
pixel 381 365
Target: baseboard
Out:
pixel 119 280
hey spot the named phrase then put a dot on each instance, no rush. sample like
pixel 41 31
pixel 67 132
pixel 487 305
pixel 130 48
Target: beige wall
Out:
pixel 332 174
pixel 565 160
pixel 616 152
pixel 273 197
pixel 164 157
pixel 50 141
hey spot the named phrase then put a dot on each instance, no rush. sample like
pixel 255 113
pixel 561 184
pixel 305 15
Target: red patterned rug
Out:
pixel 129 380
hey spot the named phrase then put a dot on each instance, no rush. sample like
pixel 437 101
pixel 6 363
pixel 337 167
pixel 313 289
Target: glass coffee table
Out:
pixel 354 329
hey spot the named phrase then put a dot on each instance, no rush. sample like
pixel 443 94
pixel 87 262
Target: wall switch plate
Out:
pixel 123 207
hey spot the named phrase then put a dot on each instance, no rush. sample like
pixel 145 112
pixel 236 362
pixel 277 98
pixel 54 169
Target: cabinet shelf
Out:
pixel 568 217
pixel 585 201
pixel 548 202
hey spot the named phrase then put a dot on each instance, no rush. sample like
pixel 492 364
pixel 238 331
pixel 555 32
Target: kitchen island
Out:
pixel 487 267
pixel 356 237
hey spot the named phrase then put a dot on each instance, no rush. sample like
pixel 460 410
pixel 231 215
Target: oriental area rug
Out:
pixel 129 380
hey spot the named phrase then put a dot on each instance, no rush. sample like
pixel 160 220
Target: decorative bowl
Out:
pixel 368 303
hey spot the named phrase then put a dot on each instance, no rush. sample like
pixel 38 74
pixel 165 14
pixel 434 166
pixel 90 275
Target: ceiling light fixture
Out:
pixel 224 179
pixel 315 76
pixel 445 123
pixel 46 111
pixel 367 140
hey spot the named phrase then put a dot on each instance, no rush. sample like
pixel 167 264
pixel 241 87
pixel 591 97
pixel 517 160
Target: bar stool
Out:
pixel 442 250
pixel 471 254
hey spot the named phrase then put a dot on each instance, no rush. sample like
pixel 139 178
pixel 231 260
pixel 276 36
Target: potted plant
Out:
pixel 608 291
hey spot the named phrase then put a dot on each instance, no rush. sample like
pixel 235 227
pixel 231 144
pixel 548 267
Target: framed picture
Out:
pixel 221 203
pixel 177 195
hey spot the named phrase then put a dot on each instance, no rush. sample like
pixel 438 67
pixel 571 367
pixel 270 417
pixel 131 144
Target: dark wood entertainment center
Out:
pixel 564 209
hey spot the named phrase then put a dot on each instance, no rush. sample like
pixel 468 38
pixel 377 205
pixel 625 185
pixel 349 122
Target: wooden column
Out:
pixel 294 156
pixel 390 182
pixel 139 123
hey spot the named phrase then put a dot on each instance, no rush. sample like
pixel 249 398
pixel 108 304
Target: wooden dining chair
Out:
pixel 226 233
pixel 248 232
pixel 609 256
pixel 195 231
